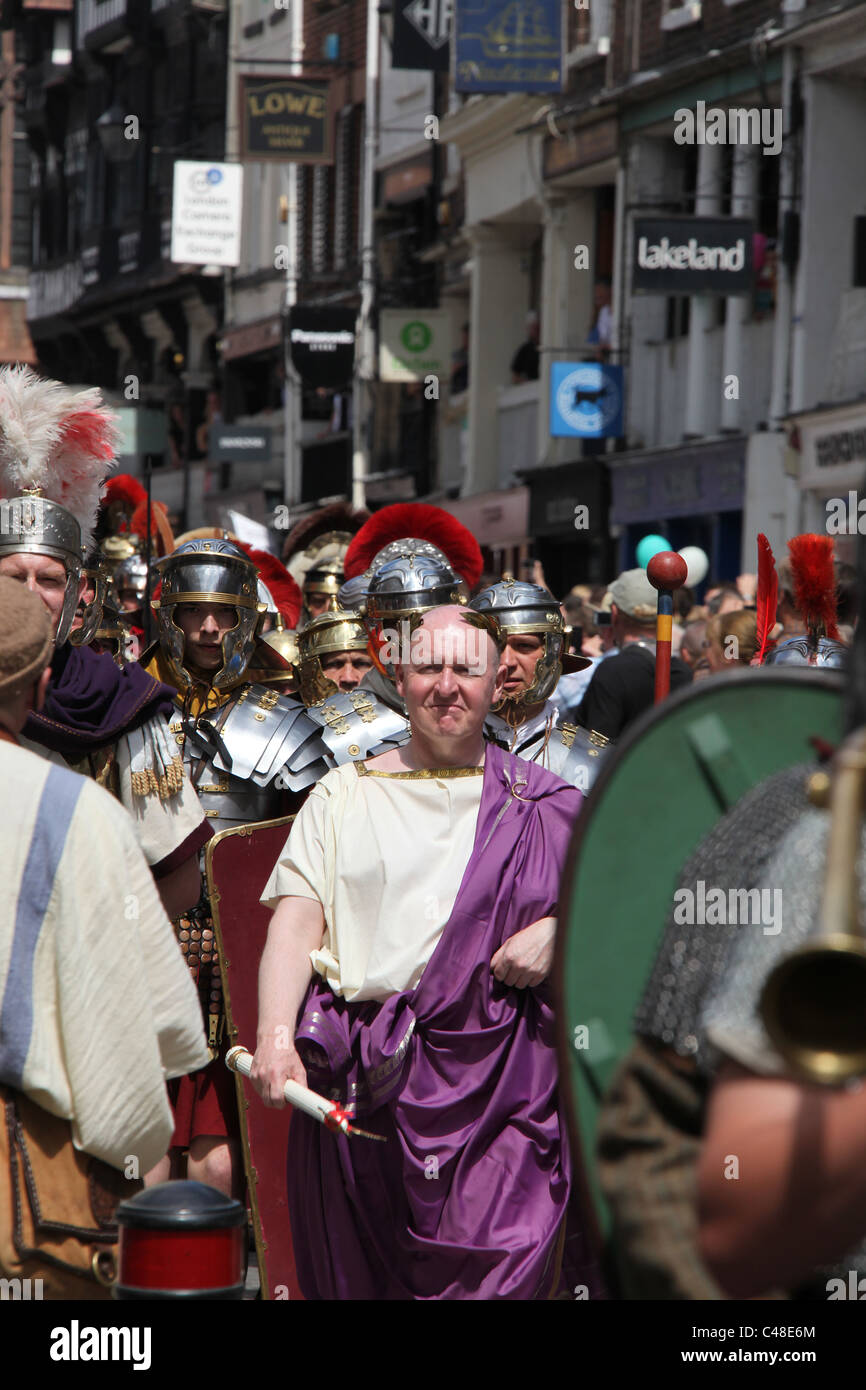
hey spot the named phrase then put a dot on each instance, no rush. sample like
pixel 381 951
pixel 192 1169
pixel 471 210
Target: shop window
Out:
pixel 677 317
pixel 676 14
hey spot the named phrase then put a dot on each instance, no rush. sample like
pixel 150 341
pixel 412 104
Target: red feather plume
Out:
pixel 419 519
pixel 123 488
pixel 766 598
pixel 286 593
pixel 88 432
pixel 162 536
pixel 815 583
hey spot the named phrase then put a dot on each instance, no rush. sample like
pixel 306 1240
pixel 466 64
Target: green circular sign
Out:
pixel 416 336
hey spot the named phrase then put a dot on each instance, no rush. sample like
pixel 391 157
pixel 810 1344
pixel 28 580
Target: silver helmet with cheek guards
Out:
pixel 209 572
pixel 524 609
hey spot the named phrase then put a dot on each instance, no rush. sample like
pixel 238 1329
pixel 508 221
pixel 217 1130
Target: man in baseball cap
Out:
pixel 623 685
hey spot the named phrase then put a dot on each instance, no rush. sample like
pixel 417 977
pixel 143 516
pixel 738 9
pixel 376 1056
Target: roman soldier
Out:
pixel 133 533
pixel 806 604
pixel 333 657
pixel 251 752
pixel 314 551
pixel 56 446
pixel 405 560
pixel 526 720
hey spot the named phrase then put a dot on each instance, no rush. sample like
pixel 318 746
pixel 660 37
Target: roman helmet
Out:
pixel 353 592
pixel 209 572
pixel 313 550
pixel 325 575
pixel 56 447
pixel 334 631
pixel 412 557
pixel 524 608
pixel 130 573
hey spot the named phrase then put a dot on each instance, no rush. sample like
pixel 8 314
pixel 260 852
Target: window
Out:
pixel 676 14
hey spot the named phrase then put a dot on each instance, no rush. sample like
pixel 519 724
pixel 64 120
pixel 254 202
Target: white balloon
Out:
pixel 697 563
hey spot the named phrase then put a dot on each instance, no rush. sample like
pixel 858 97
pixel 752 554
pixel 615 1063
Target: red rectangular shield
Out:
pixel 238 863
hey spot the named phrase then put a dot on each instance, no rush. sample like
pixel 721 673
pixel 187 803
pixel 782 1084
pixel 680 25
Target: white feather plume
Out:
pixel 55 439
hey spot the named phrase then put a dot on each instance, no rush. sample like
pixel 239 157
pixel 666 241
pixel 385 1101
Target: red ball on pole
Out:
pixel 666 571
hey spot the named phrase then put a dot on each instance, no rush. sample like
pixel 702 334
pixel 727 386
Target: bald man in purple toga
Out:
pixel 414 914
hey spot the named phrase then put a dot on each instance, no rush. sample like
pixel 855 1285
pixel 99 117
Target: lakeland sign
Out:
pixel 692 255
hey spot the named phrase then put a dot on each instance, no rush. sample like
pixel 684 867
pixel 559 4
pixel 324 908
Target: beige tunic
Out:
pixel 385 854
pixel 109 1009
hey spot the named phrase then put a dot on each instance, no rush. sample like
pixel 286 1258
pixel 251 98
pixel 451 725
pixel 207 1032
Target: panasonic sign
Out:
pixel 692 255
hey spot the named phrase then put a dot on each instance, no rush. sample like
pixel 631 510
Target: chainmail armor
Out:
pixel 691 959
pixel 730 1017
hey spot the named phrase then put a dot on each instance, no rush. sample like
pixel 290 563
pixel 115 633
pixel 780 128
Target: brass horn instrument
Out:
pixel 814 1002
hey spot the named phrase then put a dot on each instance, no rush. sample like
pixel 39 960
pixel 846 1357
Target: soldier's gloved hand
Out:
pixel 524 960
pixel 275 1063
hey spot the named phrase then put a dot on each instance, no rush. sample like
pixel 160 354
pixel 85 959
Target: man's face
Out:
pixel 316 603
pixel 452 679
pixel 520 659
pixel 44 576
pixel 204 625
pixel 346 669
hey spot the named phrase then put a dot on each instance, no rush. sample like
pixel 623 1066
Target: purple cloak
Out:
pixel 91 702
pixel 467 1199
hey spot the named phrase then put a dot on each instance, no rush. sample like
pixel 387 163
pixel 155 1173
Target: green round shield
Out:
pixel 660 791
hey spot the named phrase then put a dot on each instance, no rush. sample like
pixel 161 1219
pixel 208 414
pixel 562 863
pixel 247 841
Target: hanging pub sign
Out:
pixel 692 255
pixel 508 46
pixel 322 344
pixel 286 118
pixel 422 30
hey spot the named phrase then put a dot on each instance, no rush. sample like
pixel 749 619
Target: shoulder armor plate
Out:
pixel 355 725
pixel 576 754
pixel 267 733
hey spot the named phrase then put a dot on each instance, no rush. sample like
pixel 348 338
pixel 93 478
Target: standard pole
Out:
pixel 292 485
pixel 364 354
pixel 666 572
pixel 148 580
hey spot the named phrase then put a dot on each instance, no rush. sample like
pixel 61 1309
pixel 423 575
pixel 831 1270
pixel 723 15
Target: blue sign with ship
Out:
pixel 508 46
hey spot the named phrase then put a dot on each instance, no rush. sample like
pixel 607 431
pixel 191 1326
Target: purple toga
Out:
pixel 468 1197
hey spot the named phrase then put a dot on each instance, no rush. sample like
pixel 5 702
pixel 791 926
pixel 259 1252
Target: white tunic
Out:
pixel 385 854
pixel 97 1007
pixel 161 825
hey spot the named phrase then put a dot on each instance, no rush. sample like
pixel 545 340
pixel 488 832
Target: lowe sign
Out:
pixel 692 255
